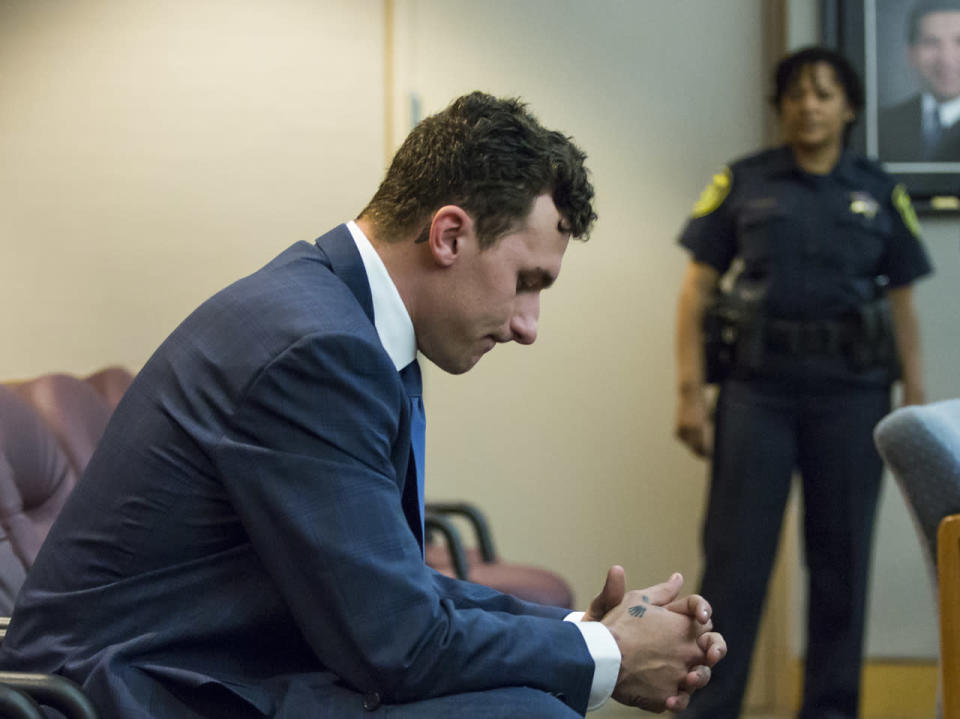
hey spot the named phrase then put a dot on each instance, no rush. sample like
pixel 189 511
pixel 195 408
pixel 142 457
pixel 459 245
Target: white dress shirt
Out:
pixel 949 111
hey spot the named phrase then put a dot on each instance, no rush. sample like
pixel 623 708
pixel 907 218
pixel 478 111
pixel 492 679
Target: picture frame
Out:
pixel 873 35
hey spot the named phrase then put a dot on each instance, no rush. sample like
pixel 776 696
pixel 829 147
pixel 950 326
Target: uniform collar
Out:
pixel 846 169
pixel 783 162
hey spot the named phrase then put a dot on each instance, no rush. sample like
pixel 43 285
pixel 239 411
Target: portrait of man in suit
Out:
pixel 248 538
pixel 926 126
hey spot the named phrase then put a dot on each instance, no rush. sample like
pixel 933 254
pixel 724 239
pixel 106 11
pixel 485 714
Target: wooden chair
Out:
pixel 948 574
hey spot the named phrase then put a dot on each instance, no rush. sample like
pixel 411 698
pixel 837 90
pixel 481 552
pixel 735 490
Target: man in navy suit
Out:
pixel 247 540
pixel 926 127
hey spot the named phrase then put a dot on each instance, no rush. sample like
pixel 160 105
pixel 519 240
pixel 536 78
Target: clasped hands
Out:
pixel 667 643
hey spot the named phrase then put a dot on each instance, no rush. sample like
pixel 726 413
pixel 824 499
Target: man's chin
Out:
pixel 466 365
pixel 455 365
pixel 947 95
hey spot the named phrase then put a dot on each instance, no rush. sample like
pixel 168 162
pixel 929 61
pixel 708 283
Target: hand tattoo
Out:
pixel 637 611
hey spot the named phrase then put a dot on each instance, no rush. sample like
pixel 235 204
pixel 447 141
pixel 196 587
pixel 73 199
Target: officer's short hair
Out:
pixel 790 68
pixel 923 8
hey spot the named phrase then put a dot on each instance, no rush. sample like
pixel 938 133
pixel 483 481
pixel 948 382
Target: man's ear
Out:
pixel 450 227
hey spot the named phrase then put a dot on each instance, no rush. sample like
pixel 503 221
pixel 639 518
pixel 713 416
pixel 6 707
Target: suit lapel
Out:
pixel 340 254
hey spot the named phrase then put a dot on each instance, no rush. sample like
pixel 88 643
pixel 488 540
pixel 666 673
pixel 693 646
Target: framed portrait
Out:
pixel 911 117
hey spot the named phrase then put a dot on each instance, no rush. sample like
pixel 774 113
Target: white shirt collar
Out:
pixel 390 316
pixel 949 110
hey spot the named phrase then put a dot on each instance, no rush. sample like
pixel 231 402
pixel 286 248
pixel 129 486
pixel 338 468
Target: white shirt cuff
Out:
pixel 606 658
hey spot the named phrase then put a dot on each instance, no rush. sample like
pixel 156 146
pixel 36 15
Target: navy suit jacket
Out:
pixel 239 546
pixel 901 135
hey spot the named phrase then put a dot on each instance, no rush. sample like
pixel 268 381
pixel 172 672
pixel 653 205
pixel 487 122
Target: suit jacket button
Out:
pixel 371 701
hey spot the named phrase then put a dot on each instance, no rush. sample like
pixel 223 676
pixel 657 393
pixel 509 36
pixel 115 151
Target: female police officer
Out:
pixel 805 345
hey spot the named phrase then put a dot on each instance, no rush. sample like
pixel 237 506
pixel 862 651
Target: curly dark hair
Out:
pixel 492 158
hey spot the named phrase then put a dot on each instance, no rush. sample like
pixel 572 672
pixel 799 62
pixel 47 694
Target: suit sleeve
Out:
pixel 307 463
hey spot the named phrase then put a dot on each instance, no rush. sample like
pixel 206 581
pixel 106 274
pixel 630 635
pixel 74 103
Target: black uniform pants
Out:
pixel 763 432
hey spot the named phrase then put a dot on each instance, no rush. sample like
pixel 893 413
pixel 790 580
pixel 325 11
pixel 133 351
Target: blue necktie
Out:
pixel 413 384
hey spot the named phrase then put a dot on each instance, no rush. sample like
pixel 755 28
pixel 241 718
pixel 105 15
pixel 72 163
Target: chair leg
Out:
pixel 458 558
pixel 17 705
pixel 54 691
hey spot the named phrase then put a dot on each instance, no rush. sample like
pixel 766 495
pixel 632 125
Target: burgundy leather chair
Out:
pixel 478 561
pixel 111 383
pixel 49 427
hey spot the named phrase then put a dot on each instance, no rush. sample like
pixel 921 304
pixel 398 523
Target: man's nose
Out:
pixel 523 324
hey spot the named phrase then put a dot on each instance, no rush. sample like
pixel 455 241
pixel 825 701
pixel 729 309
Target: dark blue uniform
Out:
pixel 815 250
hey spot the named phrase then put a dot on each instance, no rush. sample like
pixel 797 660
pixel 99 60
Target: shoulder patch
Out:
pixel 714 194
pixel 901 200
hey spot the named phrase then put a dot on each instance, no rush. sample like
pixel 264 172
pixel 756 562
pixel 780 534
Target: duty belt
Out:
pixel 813 337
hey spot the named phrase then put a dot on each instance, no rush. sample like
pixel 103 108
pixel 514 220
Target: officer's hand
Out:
pixel 913 393
pixel 693 424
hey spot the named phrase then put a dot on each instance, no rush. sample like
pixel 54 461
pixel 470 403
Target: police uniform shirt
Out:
pixel 818 245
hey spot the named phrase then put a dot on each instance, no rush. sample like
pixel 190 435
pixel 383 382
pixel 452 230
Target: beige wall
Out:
pixel 151 152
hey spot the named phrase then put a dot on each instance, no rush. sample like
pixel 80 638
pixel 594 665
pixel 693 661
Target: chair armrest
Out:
pixel 16 704
pixel 442 525
pixel 948 571
pixel 476 519
pixel 55 691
